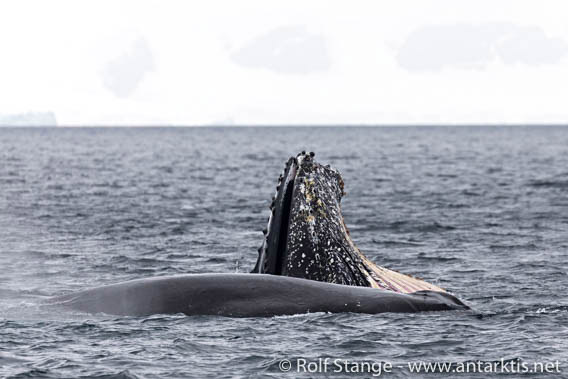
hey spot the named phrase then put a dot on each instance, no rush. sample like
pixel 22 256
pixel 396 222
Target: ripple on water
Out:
pixel 481 211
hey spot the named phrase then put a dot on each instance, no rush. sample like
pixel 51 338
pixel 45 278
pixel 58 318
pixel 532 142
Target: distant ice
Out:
pixel 28 119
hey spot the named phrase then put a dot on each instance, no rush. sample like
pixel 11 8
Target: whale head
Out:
pixel 306 236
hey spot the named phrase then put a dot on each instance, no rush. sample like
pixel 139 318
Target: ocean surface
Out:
pixel 480 211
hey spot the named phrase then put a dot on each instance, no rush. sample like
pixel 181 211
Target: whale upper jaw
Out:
pixel 306 236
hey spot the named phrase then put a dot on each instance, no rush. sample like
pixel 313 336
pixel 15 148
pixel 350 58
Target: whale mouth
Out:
pixel 272 253
pixel 306 236
pixel 284 225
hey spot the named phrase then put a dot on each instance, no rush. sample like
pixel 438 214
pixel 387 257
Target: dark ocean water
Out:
pixel 481 211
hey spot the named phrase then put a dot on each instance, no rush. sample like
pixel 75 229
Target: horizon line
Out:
pixel 295 125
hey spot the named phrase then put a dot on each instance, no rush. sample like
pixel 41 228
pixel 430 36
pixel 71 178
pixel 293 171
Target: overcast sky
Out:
pixel 285 62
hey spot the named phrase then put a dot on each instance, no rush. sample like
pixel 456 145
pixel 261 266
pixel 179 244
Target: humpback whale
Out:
pixel 307 263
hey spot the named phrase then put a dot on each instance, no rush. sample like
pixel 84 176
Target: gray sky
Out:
pixel 285 62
